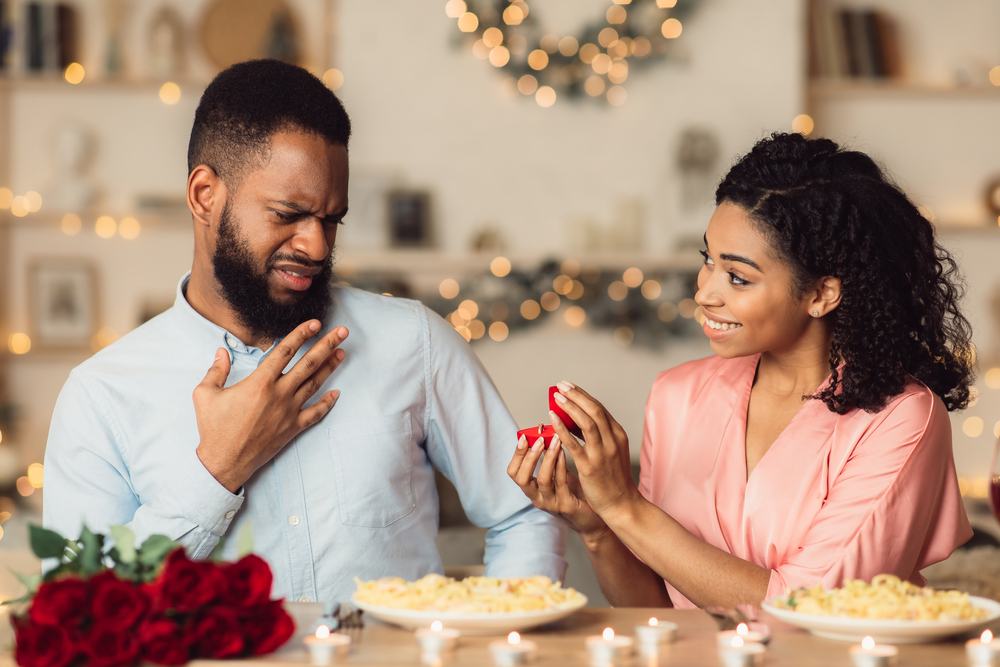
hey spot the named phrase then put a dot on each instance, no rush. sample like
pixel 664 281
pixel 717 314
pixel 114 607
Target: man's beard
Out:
pixel 247 290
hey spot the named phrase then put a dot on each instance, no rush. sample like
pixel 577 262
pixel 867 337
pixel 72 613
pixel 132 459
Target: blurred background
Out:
pixel 540 172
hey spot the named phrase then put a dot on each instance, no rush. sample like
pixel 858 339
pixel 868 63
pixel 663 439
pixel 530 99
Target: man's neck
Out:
pixel 205 296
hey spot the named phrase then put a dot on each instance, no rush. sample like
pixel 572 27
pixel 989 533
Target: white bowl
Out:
pixel 470 623
pixel 884 631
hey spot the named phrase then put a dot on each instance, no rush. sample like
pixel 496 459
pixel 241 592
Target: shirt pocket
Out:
pixel 373 469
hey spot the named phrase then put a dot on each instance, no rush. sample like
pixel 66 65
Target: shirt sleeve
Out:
pixel 470 438
pixel 894 508
pixel 87 480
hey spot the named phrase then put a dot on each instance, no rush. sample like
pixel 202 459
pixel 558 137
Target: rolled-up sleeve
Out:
pixel 87 479
pixel 895 507
pixel 470 439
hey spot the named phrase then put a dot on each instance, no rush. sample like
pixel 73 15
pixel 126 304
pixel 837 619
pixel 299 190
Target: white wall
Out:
pixel 429 115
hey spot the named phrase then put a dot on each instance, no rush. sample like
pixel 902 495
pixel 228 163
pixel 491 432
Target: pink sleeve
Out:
pixel 646 453
pixel 894 508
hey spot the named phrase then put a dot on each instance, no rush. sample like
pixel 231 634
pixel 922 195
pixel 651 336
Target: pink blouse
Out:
pixel 836 497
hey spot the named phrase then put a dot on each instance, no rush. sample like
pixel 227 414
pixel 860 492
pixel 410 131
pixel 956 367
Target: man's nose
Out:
pixel 311 240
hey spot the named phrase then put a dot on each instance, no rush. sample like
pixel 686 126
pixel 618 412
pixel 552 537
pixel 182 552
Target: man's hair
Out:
pixel 248 103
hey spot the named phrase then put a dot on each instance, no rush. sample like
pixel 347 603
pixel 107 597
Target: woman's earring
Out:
pixel 815 313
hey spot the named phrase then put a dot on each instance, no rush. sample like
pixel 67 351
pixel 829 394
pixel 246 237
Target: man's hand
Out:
pixel 244 426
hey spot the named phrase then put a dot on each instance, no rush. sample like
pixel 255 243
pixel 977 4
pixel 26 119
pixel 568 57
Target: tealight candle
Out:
pixel 654 633
pixel 757 633
pixel 608 647
pixel 870 654
pixel 739 653
pixel 514 651
pixel 983 652
pixel 325 646
pixel 437 639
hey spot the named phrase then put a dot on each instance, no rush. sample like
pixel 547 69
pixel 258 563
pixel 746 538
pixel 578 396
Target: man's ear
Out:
pixel 205 192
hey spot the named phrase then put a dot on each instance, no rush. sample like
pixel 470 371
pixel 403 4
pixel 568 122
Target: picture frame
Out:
pixel 63 303
pixel 409 218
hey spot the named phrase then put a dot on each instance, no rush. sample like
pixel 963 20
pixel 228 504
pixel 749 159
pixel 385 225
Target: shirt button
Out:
pixel 231 340
pixel 293 520
pixel 230 514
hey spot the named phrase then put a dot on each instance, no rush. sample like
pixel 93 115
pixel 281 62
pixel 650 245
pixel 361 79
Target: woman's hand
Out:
pixel 603 461
pixel 554 490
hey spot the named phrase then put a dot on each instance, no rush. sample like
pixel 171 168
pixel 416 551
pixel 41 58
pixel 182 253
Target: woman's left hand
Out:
pixel 602 461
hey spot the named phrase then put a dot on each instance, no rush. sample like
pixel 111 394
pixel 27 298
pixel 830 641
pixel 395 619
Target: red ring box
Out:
pixel 545 431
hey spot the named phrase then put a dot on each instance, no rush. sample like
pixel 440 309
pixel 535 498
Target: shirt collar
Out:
pixel 199 321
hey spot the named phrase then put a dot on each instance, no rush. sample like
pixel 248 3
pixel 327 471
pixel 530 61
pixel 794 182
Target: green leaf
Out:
pixel 124 543
pixel 244 541
pixel 155 549
pixel 91 556
pixel 29 581
pixel 46 543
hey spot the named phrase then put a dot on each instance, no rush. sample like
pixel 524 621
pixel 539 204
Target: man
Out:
pixel 326 487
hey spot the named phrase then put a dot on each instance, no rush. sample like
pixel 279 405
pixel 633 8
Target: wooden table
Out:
pixel 563 644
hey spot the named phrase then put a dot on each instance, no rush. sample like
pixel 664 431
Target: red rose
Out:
pixel 110 647
pixel 39 645
pixel 163 642
pixel 116 604
pixel 248 582
pixel 266 627
pixel 217 634
pixel 187 585
pixel 59 602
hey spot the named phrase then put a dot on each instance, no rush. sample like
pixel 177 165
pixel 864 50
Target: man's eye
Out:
pixel 286 217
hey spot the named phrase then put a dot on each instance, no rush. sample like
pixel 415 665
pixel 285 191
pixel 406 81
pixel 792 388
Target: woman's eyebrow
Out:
pixel 736 258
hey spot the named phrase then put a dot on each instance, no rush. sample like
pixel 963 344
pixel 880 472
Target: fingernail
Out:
pixel 537 443
pixel 314 326
pixel 522 442
pixel 554 417
pixel 339 354
pixel 219 353
pixel 556 443
pixel 342 332
pixel 565 386
pixel 559 398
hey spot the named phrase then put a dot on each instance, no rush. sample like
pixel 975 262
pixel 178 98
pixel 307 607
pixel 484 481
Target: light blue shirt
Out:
pixel 353 496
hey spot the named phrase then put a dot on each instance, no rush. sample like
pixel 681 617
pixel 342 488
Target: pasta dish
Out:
pixel 473 594
pixel 887 597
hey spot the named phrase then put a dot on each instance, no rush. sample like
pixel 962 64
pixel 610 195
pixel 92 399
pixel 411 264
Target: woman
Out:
pixel 815 445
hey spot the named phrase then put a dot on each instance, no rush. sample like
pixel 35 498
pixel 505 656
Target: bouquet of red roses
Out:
pixel 115 605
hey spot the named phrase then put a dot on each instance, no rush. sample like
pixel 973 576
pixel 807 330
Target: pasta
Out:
pixel 886 597
pixel 473 594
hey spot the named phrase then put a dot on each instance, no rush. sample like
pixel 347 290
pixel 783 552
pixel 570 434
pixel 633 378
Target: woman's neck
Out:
pixel 794 373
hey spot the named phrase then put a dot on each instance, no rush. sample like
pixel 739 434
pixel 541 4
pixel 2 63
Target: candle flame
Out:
pixel 737 642
pixel 742 629
pixel 986 637
pixel 608 634
pixel 513 638
pixel 437 626
pixel 868 643
pixel 322 632
pixel 653 622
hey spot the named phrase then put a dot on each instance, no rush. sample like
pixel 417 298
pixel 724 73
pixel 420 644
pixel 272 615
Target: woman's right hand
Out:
pixel 555 490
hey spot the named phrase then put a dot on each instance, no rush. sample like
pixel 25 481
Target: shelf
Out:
pixel 443 262
pixel 893 88
pixel 54 82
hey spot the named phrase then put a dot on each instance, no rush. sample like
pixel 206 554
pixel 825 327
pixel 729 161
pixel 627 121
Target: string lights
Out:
pixel 593 64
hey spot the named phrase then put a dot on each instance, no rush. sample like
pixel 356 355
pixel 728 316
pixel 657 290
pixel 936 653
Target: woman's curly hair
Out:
pixel 832 212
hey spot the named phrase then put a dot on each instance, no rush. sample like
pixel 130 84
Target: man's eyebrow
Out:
pixel 336 215
pixel 736 258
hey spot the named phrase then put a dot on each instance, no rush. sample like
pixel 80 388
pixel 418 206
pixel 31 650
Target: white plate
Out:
pixel 470 623
pixel 884 631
